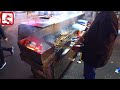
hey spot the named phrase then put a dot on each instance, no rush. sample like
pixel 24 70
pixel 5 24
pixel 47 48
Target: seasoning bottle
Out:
pixel 78 33
pixel 80 57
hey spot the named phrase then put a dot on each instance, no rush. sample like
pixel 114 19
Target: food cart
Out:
pixel 47 45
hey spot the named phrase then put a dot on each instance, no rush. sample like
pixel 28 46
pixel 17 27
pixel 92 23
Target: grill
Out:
pixel 47 49
pixel 37 53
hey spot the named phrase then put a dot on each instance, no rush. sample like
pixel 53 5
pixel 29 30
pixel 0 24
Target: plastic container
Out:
pixel 117 70
pixel 83 22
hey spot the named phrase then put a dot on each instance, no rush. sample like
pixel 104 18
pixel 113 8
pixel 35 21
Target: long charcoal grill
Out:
pixel 55 40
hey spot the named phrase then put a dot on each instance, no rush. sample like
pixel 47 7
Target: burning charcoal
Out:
pixel 32 44
pixel 25 42
pixel 39 51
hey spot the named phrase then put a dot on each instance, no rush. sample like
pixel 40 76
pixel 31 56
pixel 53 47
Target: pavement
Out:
pixel 17 69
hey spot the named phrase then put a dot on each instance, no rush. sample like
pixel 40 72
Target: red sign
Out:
pixel 7 18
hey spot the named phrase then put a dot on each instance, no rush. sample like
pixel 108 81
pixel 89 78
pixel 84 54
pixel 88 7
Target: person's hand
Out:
pixel 6 39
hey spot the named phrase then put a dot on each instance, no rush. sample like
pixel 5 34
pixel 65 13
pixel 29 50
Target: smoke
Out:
pixel 66 15
pixel 90 15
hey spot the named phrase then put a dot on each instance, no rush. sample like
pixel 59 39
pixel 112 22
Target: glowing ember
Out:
pixel 32 44
pixel 37 49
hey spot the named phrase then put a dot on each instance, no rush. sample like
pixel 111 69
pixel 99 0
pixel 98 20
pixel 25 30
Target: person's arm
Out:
pixel 81 40
pixel 2 33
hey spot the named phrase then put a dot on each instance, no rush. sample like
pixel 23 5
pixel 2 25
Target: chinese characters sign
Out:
pixel 7 18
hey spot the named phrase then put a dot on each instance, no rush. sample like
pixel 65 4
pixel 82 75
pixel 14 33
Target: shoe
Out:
pixel 12 50
pixel 3 65
pixel 79 61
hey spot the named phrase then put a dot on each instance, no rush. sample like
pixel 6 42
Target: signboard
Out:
pixel 7 18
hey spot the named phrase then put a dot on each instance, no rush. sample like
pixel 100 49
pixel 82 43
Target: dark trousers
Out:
pixel 2 54
pixel 89 71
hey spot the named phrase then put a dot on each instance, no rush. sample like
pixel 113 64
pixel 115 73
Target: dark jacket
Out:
pixel 100 38
pixel 2 35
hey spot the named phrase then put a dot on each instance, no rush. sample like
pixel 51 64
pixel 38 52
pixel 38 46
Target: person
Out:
pixel 11 50
pixel 98 42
